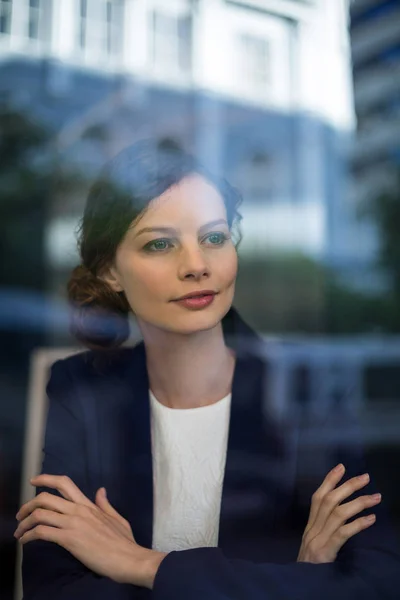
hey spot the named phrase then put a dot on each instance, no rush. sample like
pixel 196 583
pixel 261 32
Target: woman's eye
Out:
pixel 157 246
pixel 217 238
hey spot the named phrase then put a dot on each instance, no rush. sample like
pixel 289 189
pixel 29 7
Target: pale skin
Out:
pixel 192 261
pixel 327 531
pixel 153 268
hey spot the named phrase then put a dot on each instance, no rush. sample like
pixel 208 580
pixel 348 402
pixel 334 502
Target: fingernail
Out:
pixel 376 496
pixel 338 468
pixel 104 493
pixel 364 477
pixel 370 518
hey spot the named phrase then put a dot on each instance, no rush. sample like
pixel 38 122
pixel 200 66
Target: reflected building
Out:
pixel 375 41
pixel 259 89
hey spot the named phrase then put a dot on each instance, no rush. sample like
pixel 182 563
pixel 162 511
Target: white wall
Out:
pixel 220 26
pixel 324 61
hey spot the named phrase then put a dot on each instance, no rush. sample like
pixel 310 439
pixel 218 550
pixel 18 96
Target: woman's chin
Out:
pixel 201 320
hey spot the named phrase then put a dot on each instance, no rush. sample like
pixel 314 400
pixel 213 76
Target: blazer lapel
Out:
pixel 261 456
pixel 126 442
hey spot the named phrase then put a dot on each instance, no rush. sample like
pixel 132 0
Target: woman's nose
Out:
pixel 193 264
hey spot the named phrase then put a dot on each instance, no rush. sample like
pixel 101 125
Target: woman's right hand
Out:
pixel 327 531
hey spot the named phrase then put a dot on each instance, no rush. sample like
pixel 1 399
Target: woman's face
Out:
pixel 181 244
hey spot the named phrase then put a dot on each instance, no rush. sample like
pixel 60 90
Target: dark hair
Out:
pixel 122 192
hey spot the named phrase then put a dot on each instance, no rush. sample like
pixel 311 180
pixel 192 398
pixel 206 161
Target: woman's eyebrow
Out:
pixel 173 231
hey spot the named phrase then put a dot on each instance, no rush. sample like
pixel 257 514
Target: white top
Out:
pixel 189 454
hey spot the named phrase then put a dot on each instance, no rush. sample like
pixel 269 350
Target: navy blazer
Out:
pixel 98 433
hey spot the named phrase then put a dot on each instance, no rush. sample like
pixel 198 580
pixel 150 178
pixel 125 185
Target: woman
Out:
pixel 203 488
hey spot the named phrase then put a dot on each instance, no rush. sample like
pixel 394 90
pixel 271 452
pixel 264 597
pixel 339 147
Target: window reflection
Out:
pixel 5 16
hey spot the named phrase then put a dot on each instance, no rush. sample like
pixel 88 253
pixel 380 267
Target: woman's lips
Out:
pixel 197 302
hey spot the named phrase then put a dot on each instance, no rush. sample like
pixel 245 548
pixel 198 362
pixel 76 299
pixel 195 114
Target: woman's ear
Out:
pixel 111 277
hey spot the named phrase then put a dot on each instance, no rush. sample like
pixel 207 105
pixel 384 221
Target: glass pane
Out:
pixel 185 42
pixel 255 60
pixel 82 33
pixel 114 27
pixel 110 10
pixel 83 8
pixel 83 23
pixel 5 16
pixel 34 24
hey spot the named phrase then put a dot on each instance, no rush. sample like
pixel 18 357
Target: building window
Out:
pixel 100 29
pixel 372 13
pixel 83 23
pixel 35 19
pixel 255 62
pixel 172 41
pixel 261 178
pixel 114 27
pixel 39 20
pixel 5 16
pixel 257 178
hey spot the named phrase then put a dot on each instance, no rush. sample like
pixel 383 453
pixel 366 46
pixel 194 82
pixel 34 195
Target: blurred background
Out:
pixel 296 102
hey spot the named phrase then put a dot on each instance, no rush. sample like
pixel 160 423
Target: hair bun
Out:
pixel 99 315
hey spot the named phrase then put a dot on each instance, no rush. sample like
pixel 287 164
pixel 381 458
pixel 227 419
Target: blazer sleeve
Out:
pixel 367 567
pixel 48 570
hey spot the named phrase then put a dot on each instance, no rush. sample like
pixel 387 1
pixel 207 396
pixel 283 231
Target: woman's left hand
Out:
pixel 96 534
pixel 327 529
